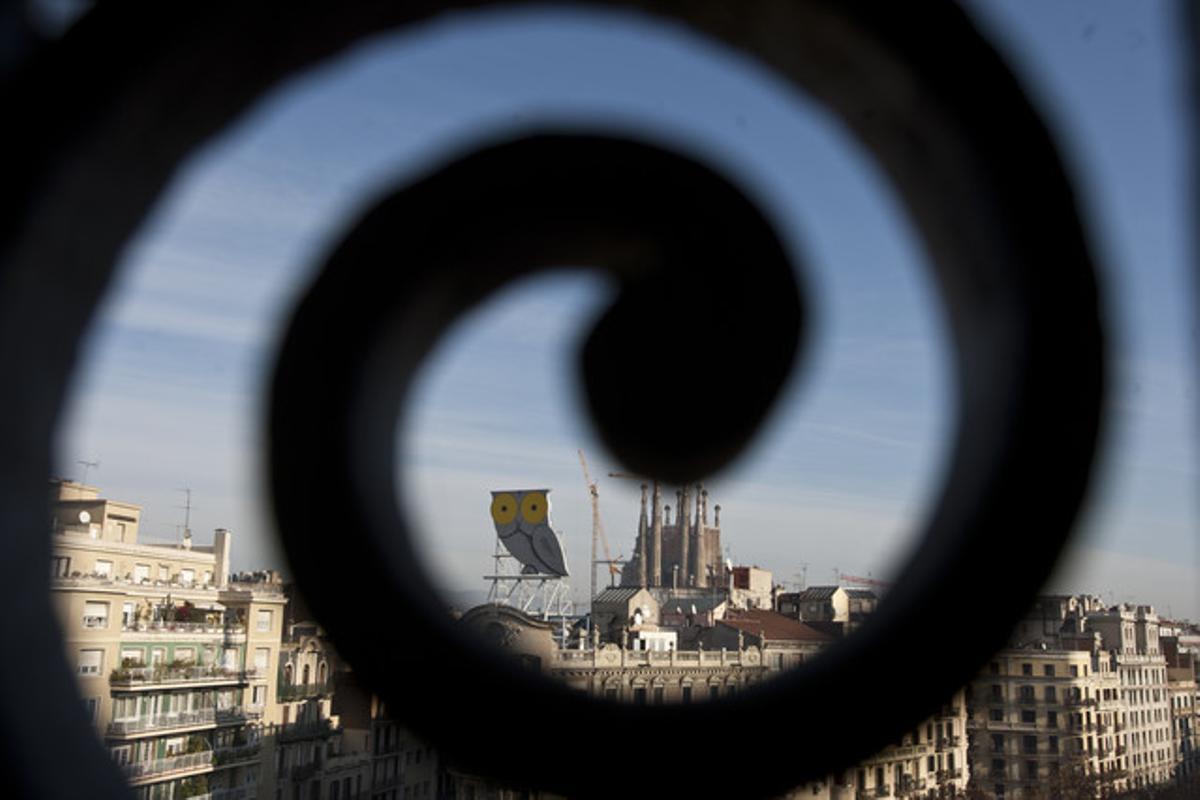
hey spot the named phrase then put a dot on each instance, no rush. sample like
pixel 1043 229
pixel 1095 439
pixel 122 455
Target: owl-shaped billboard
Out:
pixel 522 518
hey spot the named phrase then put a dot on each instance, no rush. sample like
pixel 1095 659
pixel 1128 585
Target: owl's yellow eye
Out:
pixel 504 508
pixel 533 507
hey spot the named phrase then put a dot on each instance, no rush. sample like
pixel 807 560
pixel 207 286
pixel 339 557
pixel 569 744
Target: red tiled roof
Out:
pixel 774 625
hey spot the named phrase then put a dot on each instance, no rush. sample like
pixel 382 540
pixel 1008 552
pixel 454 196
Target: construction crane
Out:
pixel 597 527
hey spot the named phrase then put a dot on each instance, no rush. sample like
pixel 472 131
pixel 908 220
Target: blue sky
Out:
pixel 170 393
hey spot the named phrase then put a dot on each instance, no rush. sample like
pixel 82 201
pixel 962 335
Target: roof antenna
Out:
pixel 87 465
pixel 187 513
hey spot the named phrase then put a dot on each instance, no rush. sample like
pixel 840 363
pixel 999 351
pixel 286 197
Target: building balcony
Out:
pixel 301 691
pixel 235 793
pixel 240 754
pixel 190 628
pixel 236 715
pixel 305 730
pixel 201 718
pixel 302 772
pixel 166 674
pixel 149 771
pixel 163 722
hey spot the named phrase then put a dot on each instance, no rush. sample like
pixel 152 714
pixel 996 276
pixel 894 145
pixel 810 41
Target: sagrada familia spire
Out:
pixel 684 554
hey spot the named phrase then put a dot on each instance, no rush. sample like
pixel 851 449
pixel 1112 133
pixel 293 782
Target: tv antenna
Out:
pixel 87 466
pixel 187 512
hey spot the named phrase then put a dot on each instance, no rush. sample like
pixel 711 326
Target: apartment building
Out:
pixel 1034 714
pixel 1130 638
pixel 317 756
pixel 1084 688
pixel 929 761
pixel 176 661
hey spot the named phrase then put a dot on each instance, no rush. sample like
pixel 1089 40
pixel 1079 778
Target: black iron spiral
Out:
pixel 104 117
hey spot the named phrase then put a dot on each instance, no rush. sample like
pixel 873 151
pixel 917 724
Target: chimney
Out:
pixel 717 515
pixel 222 539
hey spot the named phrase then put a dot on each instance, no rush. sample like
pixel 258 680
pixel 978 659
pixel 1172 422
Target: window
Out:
pixel 1074 671
pixel 187 576
pixel 264 619
pixel 164 573
pixel 262 658
pixel 1048 670
pixel 91 706
pixel 1051 694
pixel 260 696
pixel 207 577
pixel 997 692
pixel 714 692
pixel 996 715
pixel 103 568
pixel 1052 744
pixel 60 567
pixel 1028 744
pixel 141 573
pixel 91 662
pixel 95 615
pixel 128 615
pixel 686 696
pixel 998 742
pixel 187 654
pixel 1028 715
pixel 1052 719
pixel 1027 669
pixel 994 668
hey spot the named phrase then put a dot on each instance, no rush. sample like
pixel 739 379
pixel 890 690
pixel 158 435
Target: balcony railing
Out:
pixel 165 673
pixel 236 793
pixel 162 766
pixel 179 719
pixel 236 714
pixel 300 691
pixel 305 730
pixel 161 626
pixel 224 756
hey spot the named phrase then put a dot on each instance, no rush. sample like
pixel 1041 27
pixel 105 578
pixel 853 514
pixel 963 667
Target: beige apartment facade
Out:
pixel 176 663
pixel 1036 714
pixel 930 761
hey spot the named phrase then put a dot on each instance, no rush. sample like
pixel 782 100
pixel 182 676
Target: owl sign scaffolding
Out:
pixel 522 519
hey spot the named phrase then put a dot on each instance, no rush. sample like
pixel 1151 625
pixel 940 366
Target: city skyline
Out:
pixel 171 383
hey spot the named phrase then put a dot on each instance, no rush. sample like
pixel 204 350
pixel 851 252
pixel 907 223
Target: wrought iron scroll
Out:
pixel 99 122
